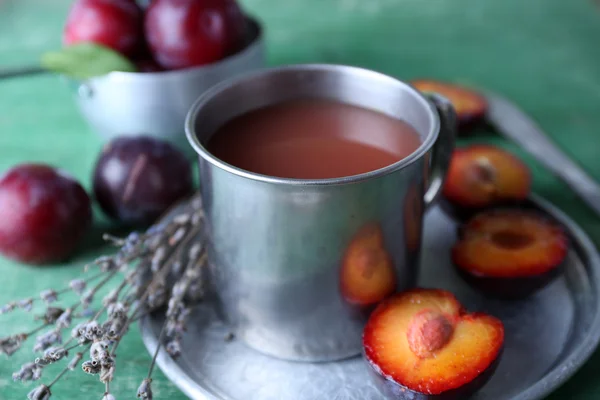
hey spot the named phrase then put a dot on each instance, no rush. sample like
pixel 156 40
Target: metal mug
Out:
pixel 279 248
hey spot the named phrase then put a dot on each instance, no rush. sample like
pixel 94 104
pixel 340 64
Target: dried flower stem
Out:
pixel 57 378
pixel 36 330
pixel 95 290
pixel 161 337
pixel 72 346
pixel 105 306
pixel 103 282
pixel 149 262
pixel 33 300
pixel 161 274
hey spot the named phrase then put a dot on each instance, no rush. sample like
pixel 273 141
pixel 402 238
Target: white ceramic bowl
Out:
pixel 156 103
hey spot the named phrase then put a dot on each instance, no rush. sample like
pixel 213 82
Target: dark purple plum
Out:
pixel 137 178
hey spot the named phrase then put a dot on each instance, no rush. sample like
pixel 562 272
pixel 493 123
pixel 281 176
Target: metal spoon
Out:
pixel 21 71
pixel 513 123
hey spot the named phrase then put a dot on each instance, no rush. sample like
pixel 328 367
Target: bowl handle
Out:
pixel 441 152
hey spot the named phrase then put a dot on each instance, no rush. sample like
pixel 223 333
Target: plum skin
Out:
pixel 395 391
pixel 188 33
pixel 117 24
pixel 510 288
pixel 44 214
pixel 137 178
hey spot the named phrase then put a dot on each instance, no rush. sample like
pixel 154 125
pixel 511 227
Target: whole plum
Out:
pixel 137 178
pixel 117 24
pixel 187 33
pixel 44 214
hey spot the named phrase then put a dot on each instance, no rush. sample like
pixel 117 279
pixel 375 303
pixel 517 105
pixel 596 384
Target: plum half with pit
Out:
pixel 117 24
pixel 188 33
pixel 481 176
pixel 423 345
pixel 137 178
pixel 44 214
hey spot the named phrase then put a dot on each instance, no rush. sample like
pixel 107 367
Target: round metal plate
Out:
pixel 548 336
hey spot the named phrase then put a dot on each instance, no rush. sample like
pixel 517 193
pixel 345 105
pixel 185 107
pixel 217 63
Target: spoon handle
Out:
pixel 21 71
pixel 513 123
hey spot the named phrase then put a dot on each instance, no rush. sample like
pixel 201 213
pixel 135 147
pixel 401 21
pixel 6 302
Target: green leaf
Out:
pixel 86 60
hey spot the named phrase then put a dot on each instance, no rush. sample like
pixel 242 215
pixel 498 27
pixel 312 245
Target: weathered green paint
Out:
pixel 544 54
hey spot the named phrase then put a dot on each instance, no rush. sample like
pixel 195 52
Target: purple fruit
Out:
pixel 137 178
pixel 117 24
pixel 44 214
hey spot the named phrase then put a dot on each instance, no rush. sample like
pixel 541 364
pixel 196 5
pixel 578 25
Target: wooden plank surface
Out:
pixel 543 54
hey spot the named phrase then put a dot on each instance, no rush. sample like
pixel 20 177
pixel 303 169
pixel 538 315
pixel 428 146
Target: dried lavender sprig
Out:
pixel 107 371
pixel 28 372
pixel 92 292
pixel 11 344
pixel 130 319
pixel 158 277
pixel 47 339
pixel 54 336
pixel 145 389
pixel 177 311
pixel 106 303
pixel 107 374
pixel 55 354
pixel 113 296
pixel 131 244
pixel 127 241
pixel 45 294
pixel 132 247
pixel 42 389
pixel 26 304
pixel 75 360
pixel 5 309
pixel 65 319
pixel 43 392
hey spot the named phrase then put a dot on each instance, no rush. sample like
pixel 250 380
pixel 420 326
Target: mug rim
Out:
pixel 214 91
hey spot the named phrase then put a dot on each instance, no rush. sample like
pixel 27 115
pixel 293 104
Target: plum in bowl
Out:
pixel 155 102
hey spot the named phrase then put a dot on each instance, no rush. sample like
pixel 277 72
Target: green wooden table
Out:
pixel 544 54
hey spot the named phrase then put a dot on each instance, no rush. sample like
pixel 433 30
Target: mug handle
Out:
pixel 441 152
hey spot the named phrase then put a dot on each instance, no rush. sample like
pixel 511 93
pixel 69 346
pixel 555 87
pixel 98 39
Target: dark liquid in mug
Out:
pixel 313 139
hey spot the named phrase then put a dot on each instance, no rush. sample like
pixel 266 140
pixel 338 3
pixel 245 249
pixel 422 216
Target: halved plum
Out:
pixel 470 106
pixel 423 345
pixel 510 253
pixel 367 274
pixel 481 176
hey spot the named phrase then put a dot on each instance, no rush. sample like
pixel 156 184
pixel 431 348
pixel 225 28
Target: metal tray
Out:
pixel 548 336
